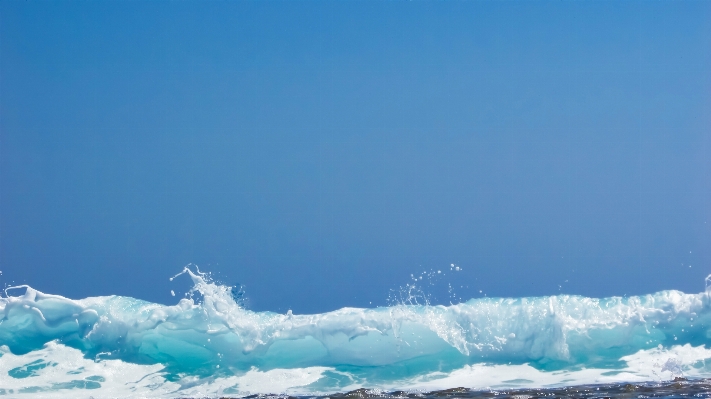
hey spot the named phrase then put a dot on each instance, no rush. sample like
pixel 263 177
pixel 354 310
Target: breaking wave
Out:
pixel 122 347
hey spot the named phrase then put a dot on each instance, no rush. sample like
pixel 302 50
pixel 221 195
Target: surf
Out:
pixel 208 343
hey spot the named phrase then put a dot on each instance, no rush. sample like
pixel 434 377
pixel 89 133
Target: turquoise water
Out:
pixel 207 344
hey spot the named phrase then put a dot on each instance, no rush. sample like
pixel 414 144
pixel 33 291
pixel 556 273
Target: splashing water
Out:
pixel 208 344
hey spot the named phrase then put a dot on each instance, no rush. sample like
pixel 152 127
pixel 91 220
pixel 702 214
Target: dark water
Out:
pixel 678 388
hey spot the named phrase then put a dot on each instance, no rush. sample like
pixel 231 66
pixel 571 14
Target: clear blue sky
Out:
pixel 320 152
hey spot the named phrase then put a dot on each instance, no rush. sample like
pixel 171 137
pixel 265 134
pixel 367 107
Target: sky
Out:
pixel 319 153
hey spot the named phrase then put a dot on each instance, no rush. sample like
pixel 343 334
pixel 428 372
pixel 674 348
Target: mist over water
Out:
pixel 209 344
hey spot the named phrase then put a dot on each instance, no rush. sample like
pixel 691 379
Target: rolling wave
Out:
pixel 118 346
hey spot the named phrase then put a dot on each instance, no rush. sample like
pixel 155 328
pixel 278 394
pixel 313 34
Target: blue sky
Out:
pixel 321 152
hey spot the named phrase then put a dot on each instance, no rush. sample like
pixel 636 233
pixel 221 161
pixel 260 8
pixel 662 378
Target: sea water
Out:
pixel 209 345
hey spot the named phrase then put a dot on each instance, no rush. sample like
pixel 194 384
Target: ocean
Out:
pixel 209 345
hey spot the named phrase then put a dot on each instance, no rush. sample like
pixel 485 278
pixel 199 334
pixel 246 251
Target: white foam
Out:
pixel 643 366
pixel 65 367
pixel 63 372
pixel 66 373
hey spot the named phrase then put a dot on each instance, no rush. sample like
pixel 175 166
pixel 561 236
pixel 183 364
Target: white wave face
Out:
pixel 123 347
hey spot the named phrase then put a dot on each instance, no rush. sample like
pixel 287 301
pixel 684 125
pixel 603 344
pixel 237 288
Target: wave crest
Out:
pixel 549 332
